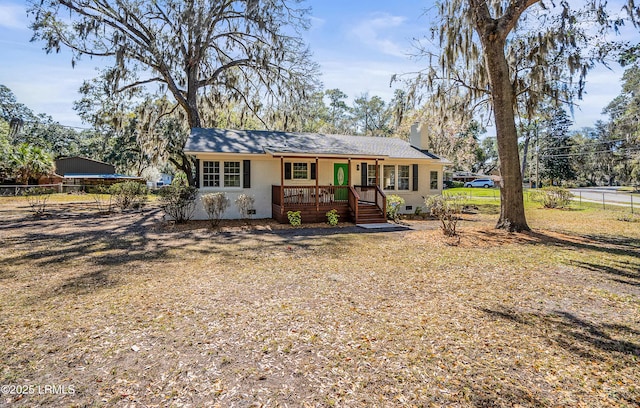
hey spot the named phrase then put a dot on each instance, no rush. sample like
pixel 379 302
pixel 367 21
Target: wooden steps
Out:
pixel 370 214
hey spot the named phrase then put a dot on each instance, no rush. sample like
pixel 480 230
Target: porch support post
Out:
pixel 377 170
pixel 317 188
pixel 281 185
pixel 349 172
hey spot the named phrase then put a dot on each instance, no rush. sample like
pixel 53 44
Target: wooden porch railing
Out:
pixel 304 198
pixel 373 195
pixel 367 193
pixel 381 200
pixel 354 199
pixel 306 195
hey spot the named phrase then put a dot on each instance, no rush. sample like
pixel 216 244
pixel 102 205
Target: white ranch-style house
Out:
pixel 314 173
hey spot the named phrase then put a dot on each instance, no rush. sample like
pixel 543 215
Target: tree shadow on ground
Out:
pixel 627 273
pixel 585 339
pixel 599 243
pixel 500 395
pixel 625 270
pixel 50 241
pixel 105 247
pixel 617 346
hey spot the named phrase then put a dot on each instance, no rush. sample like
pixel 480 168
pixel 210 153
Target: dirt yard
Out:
pixel 127 310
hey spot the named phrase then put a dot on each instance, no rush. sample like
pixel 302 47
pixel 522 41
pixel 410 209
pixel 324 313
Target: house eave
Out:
pixel 325 156
pixel 199 153
pixel 334 156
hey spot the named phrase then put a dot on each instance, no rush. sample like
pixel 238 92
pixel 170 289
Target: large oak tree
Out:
pixel 507 51
pixel 247 51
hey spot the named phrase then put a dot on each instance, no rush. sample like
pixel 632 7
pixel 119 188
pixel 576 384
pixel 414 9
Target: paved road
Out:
pixel 610 194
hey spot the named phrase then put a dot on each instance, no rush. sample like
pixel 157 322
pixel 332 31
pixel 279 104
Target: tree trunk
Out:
pixel 512 217
pixel 193 118
pixel 185 165
pixel 188 170
pixel 525 152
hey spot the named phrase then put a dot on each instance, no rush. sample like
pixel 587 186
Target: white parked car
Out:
pixel 486 183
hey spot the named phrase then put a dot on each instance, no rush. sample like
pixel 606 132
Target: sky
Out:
pixel 359 45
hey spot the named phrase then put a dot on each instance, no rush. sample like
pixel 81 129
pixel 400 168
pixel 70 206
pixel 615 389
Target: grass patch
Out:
pixel 132 312
pixel 493 193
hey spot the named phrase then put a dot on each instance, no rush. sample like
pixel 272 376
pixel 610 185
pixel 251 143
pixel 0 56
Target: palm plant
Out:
pixel 30 162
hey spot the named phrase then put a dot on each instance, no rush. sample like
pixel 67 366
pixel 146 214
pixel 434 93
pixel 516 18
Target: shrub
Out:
pixel 552 197
pixel 245 203
pixel 333 217
pixel 102 198
pixel 452 184
pixel 627 218
pixel 129 194
pixel 394 203
pixel 180 179
pixel 37 198
pixel 215 204
pixel 446 209
pixel 178 201
pixel 295 219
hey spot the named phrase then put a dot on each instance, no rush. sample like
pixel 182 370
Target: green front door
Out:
pixel 341 178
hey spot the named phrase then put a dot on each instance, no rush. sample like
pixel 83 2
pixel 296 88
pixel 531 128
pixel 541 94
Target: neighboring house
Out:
pixel 82 165
pixel 51 179
pixel 465 176
pixel 314 173
pixel 161 181
pixel 81 171
pixel 98 179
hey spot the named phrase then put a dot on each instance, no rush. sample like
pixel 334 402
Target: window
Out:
pixel 389 177
pixel 396 177
pixel 433 180
pixel 210 174
pixel 403 177
pixel 230 174
pixel 300 171
pixel 371 174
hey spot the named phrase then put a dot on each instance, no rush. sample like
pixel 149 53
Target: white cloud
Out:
pixel 13 16
pixel 372 32
pixel 317 23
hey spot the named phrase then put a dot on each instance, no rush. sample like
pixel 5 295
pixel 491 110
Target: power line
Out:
pixel 35 122
pixel 585 144
pixel 623 150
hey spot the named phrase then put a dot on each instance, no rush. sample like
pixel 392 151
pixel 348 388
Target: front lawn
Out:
pixel 128 310
pixel 472 192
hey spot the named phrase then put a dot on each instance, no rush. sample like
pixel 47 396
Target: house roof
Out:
pixel 82 165
pixel 288 143
pixel 83 159
pixel 101 176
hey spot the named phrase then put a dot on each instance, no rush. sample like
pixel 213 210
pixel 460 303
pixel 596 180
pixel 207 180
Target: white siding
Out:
pixel 412 198
pixel 265 172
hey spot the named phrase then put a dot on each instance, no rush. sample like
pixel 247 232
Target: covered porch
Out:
pixel 357 203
